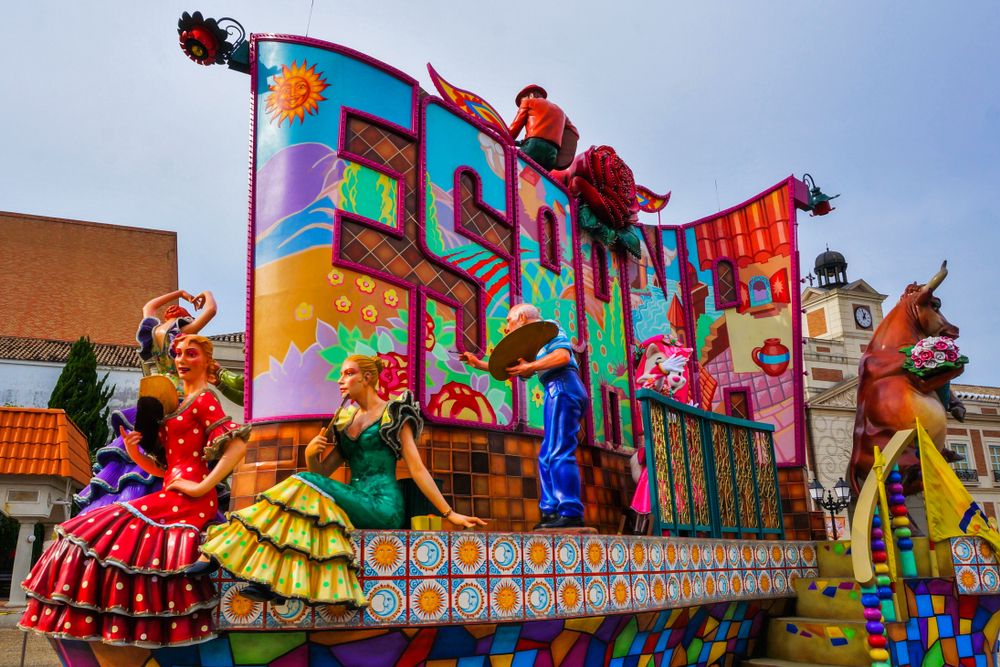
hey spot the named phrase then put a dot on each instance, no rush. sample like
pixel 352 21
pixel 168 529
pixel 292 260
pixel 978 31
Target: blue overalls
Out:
pixel 565 397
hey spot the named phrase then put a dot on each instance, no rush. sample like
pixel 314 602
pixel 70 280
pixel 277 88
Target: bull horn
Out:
pixel 938 278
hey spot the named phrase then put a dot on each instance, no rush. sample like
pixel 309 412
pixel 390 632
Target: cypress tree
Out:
pixel 82 395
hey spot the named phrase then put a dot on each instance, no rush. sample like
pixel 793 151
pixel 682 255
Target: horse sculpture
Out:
pixel 891 398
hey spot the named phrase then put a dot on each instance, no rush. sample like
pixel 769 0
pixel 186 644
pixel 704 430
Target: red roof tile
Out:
pixel 41 441
pixel 57 351
pixel 751 233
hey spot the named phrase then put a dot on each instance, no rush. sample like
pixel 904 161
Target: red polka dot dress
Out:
pixel 113 574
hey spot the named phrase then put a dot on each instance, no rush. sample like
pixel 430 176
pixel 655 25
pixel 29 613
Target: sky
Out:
pixel 896 106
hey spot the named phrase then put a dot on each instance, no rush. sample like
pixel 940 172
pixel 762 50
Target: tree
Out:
pixel 82 395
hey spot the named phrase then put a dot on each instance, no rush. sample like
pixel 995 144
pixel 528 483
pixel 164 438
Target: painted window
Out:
pixel 760 291
pixel 548 239
pixel 726 293
pixel 602 277
pixel 613 416
pixel 738 403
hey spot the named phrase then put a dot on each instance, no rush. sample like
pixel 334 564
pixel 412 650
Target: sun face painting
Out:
pixel 294 92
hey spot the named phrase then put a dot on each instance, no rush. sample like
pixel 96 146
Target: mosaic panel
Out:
pixel 417 578
pixel 977 571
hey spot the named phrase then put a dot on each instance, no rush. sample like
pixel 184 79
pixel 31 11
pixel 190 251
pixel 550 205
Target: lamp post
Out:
pixel 819 203
pixel 835 501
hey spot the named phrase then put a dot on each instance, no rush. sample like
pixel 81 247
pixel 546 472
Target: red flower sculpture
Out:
pixel 603 180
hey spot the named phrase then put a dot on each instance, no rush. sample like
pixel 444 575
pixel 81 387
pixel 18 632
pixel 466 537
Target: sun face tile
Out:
pixel 539 597
pixel 506 598
pixel 385 554
pixel 429 601
pixel 710 585
pixel 670 557
pixel 967 579
pixel 469 599
pixel 469 555
pixel 570 595
pixel 595 555
pixel 618 556
pixel 657 590
pixel 335 615
pixel 504 555
pixel 538 555
pixel 777 556
pixel 236 611
pixel 386 601
pixel 429 554
pixel 568 554
pixel 619 593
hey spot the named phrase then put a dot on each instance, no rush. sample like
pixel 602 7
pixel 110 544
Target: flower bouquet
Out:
pixel 933 355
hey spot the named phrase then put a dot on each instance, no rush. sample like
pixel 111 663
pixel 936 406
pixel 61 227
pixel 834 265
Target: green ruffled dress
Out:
pixel 295 539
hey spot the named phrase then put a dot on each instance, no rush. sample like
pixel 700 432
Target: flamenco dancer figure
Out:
pixel 115 573
pixel 116 475
pixel 264 543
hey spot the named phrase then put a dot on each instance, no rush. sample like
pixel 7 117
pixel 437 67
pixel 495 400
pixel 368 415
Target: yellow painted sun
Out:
pixel 294 92
pixel 658 590
pixel 469 552
pixel 620 591
pixel 747 555
pixel 720 554
pixel 808 554
pixel 538 554
pixel 737 585
pixel 430 600
pixel 241 608
pixel 386 553
pixel 968 579
pixel 570 595
pixel 506 597
pixel 639 554
pixel 671 554
pixel 594 554
pixel 686 587
pixel 709 585
pixel 764 582
pixel 777 553
pixel 695 553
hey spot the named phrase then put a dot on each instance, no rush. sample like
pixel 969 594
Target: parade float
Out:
pixel 404 225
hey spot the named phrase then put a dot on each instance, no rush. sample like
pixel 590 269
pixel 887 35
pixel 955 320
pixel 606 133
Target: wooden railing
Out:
pixel 710 475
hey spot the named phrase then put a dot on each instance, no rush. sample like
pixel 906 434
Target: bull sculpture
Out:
pixel 890 398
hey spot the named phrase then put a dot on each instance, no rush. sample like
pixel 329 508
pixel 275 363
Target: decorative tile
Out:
pixel 765 583
pixel 777 556
pixel 781 584
pixel 293 613
pixel 638 555
pixel 386 601
pixel 655 555
pixel 750 586
pixel 595 555
pixel 537 555
pixel 746 561
pixel 657 590
pixel 733 555
pixel 236 610
pixel 428 601
pixel 336 615
pixel 761 555
pixel 719 558
pixel 428 554
pixel 990 578
pixel 568 554
pixel 596 594
pixel 385 554
pixel 722 590
pixel 967 579
pixel 539 597
pixel 963 550
pixel 696 552
pixel 468 554
pixel 807 555
pixel 683 556
pixel 984 552
pixel 791 555
pixel 711 586
pixel 736 583
pixel 618 556
pixel 504 554
pixel 670 557
pixel 619 593
pixel 673 589
pixel 469 600
pixel 687 587
pixel 506 600
pixel 356 545
pixel 640 591
pixel 569 595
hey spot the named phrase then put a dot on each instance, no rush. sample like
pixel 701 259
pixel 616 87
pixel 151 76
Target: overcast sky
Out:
pixel 895 105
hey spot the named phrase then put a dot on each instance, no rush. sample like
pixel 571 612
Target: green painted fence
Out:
pixel 710 475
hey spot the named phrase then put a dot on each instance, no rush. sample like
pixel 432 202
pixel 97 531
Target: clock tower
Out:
pixel 839 317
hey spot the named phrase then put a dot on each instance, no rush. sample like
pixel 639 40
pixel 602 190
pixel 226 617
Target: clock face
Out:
pixel 863 317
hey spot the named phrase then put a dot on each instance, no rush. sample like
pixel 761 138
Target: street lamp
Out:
pixel 819 203
pixel 835 501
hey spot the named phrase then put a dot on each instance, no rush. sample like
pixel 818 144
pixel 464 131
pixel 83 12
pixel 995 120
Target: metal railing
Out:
pixel 710 475
pixel 967 475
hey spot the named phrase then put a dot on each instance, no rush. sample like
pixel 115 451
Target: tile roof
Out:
pixel 976 392
pixel 752 233
pixel 57 351
pixel 42 441
pixel 235 337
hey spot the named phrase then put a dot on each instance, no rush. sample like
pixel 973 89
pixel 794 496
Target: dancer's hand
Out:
pixel 317 448
pixel 187 487
pixel 463 521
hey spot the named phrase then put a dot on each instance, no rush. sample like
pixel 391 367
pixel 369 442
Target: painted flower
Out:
pixel 303 311
pixel 394 377
pixel 430 340
pixel 390 297
pixel 926 354
pixel 537 396
pixel 941 344
pixel 335 277
pixel 343 304
pixel 369 314
pixel 365 284
pixel 951 355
